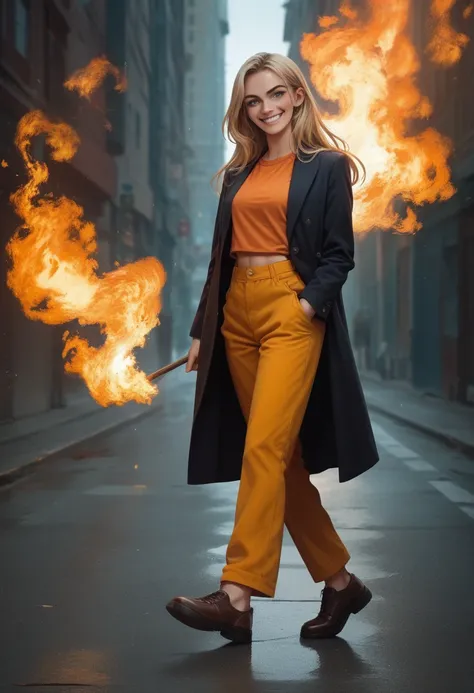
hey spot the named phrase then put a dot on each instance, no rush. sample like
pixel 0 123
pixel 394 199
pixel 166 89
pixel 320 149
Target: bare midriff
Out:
pixel 256 260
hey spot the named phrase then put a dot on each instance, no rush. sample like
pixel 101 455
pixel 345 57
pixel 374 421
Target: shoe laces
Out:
pixel 325 597
pixel 213 597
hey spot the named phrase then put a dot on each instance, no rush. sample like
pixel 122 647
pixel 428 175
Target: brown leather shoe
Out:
pixel 213 612
pixel 336 607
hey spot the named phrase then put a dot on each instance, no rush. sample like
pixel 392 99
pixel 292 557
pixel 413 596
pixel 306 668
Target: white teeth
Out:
pixel 272 119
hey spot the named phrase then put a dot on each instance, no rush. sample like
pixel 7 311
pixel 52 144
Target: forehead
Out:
pixel 260 82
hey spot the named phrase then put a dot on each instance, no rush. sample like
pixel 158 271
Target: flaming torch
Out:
pixel 54 272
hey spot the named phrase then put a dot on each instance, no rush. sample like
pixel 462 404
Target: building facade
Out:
pixel 204 112
pixel 146 39
pixel 129 141
pixel 41 43
pixel 205 107
pixel 130 173
pixel 170 157
pixel 128 44
pixel 416 291
pixel 443 286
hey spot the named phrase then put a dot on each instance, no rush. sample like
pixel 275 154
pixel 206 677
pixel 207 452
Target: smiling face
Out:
pixel 269 103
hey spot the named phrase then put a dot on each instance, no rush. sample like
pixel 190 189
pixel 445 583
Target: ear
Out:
pixel 298 97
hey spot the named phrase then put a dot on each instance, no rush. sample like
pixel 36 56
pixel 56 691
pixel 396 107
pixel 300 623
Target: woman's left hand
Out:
pixel 307 308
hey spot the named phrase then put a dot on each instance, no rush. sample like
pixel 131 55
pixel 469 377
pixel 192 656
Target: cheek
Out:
pixel 287 105
pixel 252 115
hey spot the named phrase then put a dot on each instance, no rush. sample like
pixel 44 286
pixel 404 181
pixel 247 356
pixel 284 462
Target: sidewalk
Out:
pixel 449 422
pixel 30 441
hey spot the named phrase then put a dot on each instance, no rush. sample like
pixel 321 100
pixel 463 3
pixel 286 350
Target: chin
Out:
pixel 274 131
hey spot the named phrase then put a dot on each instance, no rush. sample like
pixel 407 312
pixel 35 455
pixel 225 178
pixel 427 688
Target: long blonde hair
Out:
pixel 310 135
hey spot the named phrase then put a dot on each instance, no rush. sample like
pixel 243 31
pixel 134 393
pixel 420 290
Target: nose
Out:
pixel 266 108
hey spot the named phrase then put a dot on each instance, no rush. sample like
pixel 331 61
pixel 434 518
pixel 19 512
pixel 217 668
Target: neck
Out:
pixel 279 145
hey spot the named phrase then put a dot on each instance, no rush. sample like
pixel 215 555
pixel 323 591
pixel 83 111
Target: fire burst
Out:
pixel 369 68
pixel 87 80
pixel 446 44
pixel 54 273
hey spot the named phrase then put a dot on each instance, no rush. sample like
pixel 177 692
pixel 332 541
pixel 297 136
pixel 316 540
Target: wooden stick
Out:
pixel 168 368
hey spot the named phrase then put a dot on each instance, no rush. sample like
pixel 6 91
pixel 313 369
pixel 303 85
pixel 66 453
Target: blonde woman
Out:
pixel 278 395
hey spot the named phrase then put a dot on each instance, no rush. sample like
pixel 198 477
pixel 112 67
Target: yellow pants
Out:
pixel 273 351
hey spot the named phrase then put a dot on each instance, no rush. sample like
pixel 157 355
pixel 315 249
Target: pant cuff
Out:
pixel 257 584
pixel 331 568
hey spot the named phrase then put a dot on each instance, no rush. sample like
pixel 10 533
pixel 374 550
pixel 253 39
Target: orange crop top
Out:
pixel 259 209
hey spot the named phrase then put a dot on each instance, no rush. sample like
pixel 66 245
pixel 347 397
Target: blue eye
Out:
pixel 253 102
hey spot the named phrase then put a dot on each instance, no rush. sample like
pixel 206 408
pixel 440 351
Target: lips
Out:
pixel 272 119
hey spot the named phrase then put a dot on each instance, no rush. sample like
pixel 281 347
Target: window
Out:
pixel 137 130
pixel 191 19
pixel 191 3
pixel 191 36
pixel 21 26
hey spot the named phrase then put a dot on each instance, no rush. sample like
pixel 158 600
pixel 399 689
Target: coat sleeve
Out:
pixel 196 327
pixel 337 252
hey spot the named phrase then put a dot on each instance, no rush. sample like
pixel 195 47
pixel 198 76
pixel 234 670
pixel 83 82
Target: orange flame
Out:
pixel 89 78
pixel 327 22
pixel 3 164
pixel 369 67
pixel 446 44
pixel 55 276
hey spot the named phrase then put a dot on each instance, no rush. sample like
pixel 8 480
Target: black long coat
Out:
pixel 336 431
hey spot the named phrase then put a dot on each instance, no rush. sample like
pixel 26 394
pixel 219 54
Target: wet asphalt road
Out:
pixel 94 544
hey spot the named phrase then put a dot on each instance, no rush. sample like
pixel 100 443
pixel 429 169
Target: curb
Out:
pixel 16 473
pixel 455 443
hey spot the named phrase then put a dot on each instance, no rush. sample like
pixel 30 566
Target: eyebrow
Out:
pixel 254 96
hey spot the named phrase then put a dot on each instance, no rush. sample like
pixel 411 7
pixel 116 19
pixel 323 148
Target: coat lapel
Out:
pixel 302 178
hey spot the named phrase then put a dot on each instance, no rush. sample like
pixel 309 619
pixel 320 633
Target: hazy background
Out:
pixel 255 26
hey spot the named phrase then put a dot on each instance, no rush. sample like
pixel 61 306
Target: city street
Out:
pixel 96 542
